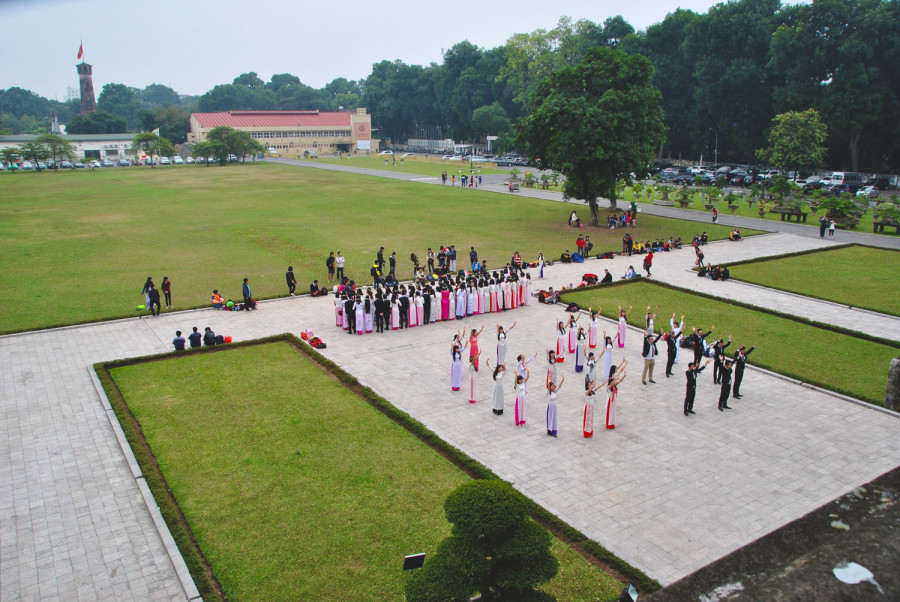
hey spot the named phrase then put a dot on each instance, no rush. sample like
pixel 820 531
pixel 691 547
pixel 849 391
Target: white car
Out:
pixel 456 158
pixel 408 155
pixel 870 192
pixel 164 161
pixel 189 160
pixel 386 152
pixel 177 161
pixel 447 157
pixel 477 159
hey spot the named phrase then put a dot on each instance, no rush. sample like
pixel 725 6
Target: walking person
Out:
pixel 823 225
pixel 740 361
pixel 153 295
pixel 166 287
pixel 691 391
pixel 623 324
pixel 715 215
pixel 616 376
pixel 541 264
pixel 146 291
pixel 473 257
pixel 339 266
pixel 648 262
pixel 291 280
pixel 499 373
pixel 831 226
pixel 329 263
pixel 552 413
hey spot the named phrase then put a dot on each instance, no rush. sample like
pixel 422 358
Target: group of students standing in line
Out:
pixel 418 304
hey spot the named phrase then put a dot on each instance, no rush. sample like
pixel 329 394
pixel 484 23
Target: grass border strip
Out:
pixel 195 559
pixel 799 319
pixel 809 252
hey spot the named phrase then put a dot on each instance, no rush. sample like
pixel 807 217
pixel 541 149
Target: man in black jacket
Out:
pixel 607 277
pixel 691 373
pixel 725 373
pixel 403 301
pixel 194 338
pixel 718 353
pixel 393 266
pixel 153 295
pixel 350 313
pixel 740 360
pixel 697 343
pixel 209 337
pixel 672 352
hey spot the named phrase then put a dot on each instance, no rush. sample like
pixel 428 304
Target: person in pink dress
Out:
pixel 445 305
pixel 616 376
pixel 623 325
pixel 473 346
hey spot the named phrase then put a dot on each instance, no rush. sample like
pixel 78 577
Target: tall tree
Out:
pixel 249 80
pixel 152 144
pixel 157 95
pixel 57 146
pixel 595 123
pixel 173 122
pixel 99 122
pixel 121 100
pixel 241 144
pixel 796 141
pixel 35 152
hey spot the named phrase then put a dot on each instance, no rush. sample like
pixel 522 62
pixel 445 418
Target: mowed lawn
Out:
pixel 839 362
pixel 295 488
pixel 424 165
pixel 855 276
pixel 77 246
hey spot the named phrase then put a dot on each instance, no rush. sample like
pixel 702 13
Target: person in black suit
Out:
pixel 725 373
pixel 672 350
pixel 153 295
pixel 696 342
pixel 404 308
pixel 380 259
pixel 291 280
pixel 740 360
pixel 350 313
pixel 606 278
pixel 718 353
pixel 393 265
pixel 691 373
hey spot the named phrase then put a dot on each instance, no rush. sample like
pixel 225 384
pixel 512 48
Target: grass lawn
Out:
pixel 295 488
pixel 744 210
pixel 839 362
pixel 856 276
pixel 425 165
pixel 77 246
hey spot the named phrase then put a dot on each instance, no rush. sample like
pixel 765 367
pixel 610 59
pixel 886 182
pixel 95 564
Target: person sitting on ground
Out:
pixel 551 296
pixel 704 239
pixel 607 277
pixel 676 243
pixel 315 291
pixel 566 257
pixel 209 337
pixel 573 220
pixel 630 273
pixel 217 300
pixel 178 341
pixel 735 235
pixel 195 338
pixel 696 241
pixel 724 274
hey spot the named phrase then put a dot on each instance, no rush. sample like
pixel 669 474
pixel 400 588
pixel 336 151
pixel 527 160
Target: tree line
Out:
pixel 723 75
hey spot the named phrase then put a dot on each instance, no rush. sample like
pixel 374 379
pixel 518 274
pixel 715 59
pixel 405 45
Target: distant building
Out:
pixel 87 146
pixel 73 93
pixel 88 102
pixel 290 133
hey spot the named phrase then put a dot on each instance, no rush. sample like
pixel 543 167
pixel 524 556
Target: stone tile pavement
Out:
pixel 666 493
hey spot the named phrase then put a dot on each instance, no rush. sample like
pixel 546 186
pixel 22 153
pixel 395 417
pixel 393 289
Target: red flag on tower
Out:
pixel 81 50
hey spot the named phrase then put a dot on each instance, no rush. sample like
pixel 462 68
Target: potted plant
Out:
pixel 732 200
pixel 530 180
pixel 764 207
pixel 545 181
pixel 683 197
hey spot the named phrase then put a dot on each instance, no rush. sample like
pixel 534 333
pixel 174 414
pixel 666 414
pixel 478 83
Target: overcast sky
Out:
pixel 193 45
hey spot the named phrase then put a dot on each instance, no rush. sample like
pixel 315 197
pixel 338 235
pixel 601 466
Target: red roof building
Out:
pixel 293 133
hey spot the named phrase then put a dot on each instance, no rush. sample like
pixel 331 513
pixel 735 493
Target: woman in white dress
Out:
pixel 551 369
pixel 473 371
pixel 451 313
pixel 360 308
pixel 521 397
pixel 541 264
pixel 456 366
pixel 594 327
pixel 470 299
pixel 573 332
pixel 579 349
pixel 552 418
pixel 616 376
pixel 461 297
pixel 420 309
pixel 395 312
pixel 587 426
pixel 648 319
pixel 338 311
pixel 499 372
pixel 606 354
pixel 501 343
pixel 526 294
pixel 623 325
pixel 370 313
pixel 562 342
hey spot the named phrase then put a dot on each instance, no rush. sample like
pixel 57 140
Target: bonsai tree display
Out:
pixel 665 190
pixel 494 550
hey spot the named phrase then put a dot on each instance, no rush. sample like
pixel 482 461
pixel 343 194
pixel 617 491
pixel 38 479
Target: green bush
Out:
pixel 494 549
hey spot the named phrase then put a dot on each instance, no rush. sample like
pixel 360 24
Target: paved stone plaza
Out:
pixel 668 494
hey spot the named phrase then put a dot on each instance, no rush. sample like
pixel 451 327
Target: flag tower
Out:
pixel 88 103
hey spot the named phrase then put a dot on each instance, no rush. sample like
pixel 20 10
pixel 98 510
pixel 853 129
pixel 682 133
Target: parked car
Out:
pixel 95 164
pixel 26 165
pixel 736 177
pixel 189 160
pixel 177 161
pixel 79 165
pixel 232 158
pixel 869 192
pixel 386 152
pixel 839 189
pixel 477 159
pixel 670 174
pixel 404 155
pixel 65 164
pixel 107 163
pixel 124 163
pixel 41 165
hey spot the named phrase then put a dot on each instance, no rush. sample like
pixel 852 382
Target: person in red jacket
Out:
pixel 648 262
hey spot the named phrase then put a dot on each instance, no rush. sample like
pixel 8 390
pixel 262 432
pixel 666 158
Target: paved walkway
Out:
pixel 667 493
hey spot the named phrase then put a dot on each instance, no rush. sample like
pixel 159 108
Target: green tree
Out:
pixel 491 120
pixel 121 100
pixel 215 149
pixel 249 80
pixel 494 549
pixel 241 144
pixel 9 155
pixel 796 141
pixel 99 122
pixel 35 152
pixel 173 122
pixel 152 145
pixel 57 146
pixel 157 95
pixel 595 123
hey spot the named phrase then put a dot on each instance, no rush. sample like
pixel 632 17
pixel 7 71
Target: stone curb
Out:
pixel 165 536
